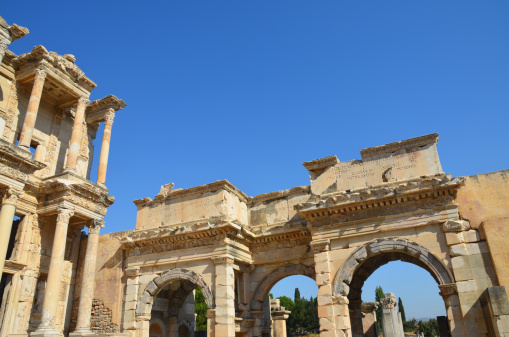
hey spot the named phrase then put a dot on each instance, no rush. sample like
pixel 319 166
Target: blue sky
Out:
pixel 248 90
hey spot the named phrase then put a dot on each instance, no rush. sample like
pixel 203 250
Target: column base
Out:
pixel 46 333
pixel 81 333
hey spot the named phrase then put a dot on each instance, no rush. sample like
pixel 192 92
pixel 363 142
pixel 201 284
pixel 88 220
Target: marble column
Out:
pixel 75 142
pixel 7 212
pixel 105 147
pixel 54 281
pixel 225 297
pixel 88 280
pixel 279 316
pixel 33 107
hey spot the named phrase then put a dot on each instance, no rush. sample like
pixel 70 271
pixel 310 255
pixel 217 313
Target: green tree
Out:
pixel 401 309
pixel 200 309
pixel 297 295
pixel 379 294
pixel 429 328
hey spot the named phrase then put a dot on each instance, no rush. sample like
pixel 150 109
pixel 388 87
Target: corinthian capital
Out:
pixel 94 226
pixel 41 73
pixel 64 215
pixel 11 196
pixel 109 116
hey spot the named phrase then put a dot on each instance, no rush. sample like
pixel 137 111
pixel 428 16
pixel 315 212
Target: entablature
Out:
pixel 65 81
pixel 17 163
pixel 87 199
pixel 382 200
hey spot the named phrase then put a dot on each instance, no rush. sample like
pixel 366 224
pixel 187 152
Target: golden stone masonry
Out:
pixel 395 203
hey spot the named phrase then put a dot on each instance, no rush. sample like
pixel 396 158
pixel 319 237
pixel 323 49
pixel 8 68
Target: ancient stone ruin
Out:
pixel 394 203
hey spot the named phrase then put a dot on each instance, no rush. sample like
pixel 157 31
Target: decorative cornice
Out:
pixel 64 64
pixel 84 194
pixel 322 163
pixel 396 146
pixel 17 32
pixel 425 192
pixel 108 102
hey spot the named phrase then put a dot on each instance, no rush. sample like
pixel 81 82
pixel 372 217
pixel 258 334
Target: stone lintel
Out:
pixel 396 146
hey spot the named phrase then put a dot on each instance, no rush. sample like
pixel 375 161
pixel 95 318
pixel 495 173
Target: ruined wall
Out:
pixel 109 274
pixel 484 196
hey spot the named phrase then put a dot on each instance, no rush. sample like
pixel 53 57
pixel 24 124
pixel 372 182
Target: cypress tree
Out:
pixel 379 294
pixel 401 309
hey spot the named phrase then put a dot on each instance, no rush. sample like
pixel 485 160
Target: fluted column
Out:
pixel 6 218
pixel 56 267
pixel 105 147
pixel 75 142
pixel 33 107
pixel 87 283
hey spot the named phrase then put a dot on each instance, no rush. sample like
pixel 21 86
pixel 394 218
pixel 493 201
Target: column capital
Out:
pixel 447 289
pixel 218 260
pixel 109 116
pixel 389 301
pixel 41 72
pixel 83 100
pixel 11 196
pixel 320 246
pixel 95 225
pixel 64 215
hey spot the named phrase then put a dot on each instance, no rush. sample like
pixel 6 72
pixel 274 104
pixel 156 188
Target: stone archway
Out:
pixel 193 281
pixel 366 259
pixel 270 280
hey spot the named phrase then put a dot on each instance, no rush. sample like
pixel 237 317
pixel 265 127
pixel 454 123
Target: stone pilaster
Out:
pixel 473 272
pixel 55 274
pixel 225 297
pixel 327 312
pixel 131 300
pixel 75 142
pixel 211 322
pixel 7 212
pixel 105 147
pixel 25 137
pixel 449 293
pixel 88 281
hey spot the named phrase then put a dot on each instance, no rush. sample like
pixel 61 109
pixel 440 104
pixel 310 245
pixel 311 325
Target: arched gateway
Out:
pixel 394 204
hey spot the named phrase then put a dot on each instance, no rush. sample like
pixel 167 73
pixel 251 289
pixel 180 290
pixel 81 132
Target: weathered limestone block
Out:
pixel 455 226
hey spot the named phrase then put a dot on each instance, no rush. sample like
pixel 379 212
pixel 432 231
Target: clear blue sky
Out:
pixel 248 90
